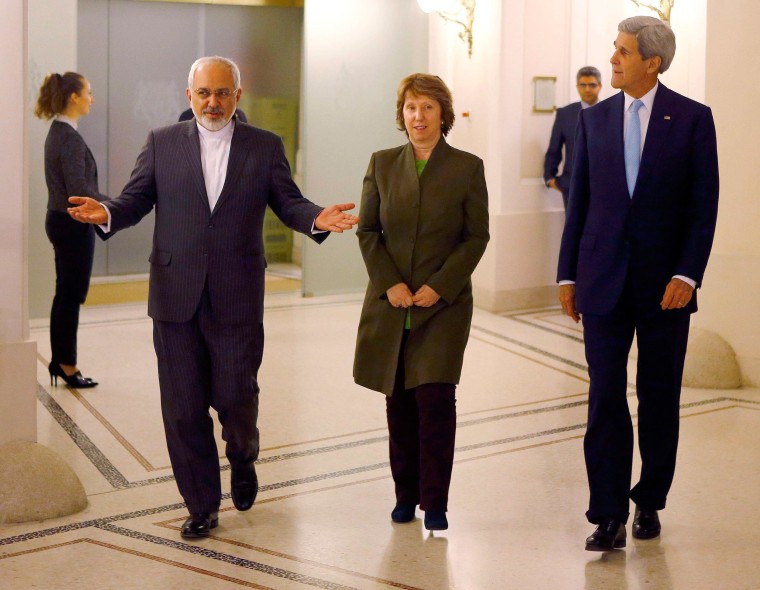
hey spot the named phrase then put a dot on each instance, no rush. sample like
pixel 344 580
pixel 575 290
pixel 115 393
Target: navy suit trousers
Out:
pixel 608 445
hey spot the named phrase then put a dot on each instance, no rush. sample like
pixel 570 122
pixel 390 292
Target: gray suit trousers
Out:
pixel 204 364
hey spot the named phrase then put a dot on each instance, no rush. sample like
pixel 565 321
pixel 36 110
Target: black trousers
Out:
pixel 608 444
pixel 203 364
pixel 74 248
pixel 422 427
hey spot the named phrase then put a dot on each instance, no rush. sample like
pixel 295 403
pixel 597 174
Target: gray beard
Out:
pixel 213 124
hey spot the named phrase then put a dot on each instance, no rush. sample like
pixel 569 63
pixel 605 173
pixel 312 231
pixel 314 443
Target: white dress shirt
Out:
pixel 65 119
pixel 645 113
pixel 215 154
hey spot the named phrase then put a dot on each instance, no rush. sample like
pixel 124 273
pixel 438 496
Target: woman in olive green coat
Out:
pixel 423 229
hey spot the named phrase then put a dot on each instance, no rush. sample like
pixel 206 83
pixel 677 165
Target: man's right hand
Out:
pixel 567 300
pixel 553 184
pixel 88 210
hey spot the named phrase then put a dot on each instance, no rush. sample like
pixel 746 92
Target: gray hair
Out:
pixel 588 71
pixel 234 70
pixel 655 38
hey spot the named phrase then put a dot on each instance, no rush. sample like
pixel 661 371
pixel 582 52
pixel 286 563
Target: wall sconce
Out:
pixel 663 11
pixel 459 12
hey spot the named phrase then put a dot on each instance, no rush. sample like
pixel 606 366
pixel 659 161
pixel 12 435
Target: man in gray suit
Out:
pixel 589 84
pixel 210 180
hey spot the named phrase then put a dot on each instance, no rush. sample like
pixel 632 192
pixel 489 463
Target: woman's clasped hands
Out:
pixel 399 295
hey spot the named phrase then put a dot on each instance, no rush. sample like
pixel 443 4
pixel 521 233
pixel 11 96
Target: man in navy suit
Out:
pixel 639 229
pixel 210 180
pixel 588 83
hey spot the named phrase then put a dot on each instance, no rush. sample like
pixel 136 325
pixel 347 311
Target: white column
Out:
pixel 728 298
pixel 18 380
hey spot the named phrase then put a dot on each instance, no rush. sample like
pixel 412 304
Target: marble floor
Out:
pixel 322 515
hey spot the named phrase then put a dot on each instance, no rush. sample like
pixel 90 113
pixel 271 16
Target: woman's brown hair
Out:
pixel 56 92
pixel 426 85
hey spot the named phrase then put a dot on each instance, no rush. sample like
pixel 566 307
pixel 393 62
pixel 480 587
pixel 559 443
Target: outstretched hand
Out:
pixel 333 218
pixel 87 210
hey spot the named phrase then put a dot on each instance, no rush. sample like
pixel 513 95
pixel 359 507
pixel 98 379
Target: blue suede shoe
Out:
pixel 403 513
pixel 435 520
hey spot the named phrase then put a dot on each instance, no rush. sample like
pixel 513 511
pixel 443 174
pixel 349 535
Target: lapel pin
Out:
pixel 667 117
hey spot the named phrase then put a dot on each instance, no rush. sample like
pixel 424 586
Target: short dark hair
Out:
pixel 426 85
pixel 588 71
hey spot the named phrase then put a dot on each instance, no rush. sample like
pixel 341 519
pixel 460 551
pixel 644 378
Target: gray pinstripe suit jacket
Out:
pixel 194 246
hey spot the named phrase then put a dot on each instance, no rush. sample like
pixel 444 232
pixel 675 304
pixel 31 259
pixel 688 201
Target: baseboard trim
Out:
pixel 515 299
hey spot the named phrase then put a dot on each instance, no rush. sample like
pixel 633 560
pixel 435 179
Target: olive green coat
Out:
pixel 428 230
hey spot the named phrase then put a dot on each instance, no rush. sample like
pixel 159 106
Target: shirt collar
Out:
pixel 647 99
pixel 225 133
pixel 65 119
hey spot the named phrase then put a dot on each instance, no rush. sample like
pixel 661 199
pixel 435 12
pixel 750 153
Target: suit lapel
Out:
pixel 191 149
pixel 657 133
pixel 436 160
pixel 410 183
pixel 238 154
pixel 616 145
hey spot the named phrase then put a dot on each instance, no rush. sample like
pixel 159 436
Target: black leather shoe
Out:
pixel 403 513
pixel 199 524
pixel 610 534
pixel 435 520
pixel 245 486
pixel 646 524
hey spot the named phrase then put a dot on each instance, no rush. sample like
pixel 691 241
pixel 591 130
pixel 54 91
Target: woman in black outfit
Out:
pixel 69 170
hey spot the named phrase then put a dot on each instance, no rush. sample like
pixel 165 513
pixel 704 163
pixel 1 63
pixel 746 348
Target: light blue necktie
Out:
pixel 633 146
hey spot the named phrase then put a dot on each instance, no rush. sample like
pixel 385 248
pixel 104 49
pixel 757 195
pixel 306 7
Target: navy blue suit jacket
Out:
pixel 563 133
pixel 665 229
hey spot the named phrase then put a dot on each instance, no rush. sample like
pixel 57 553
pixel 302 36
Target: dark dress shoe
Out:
pixel 245 486
pixel 646 524
pixel 435 520
pixel 199 524
pixel 610 534
pixel 403 513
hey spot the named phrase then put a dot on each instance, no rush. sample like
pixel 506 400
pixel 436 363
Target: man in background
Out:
pixel 588 83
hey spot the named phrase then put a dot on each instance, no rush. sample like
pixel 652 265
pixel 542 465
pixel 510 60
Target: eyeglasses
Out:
pixel 221 93
pixel 592 85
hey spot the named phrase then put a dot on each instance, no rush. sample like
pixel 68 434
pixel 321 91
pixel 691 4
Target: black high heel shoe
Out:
pixel 76 380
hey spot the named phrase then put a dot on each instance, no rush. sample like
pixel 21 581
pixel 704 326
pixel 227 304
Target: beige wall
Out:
pixel 729 298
